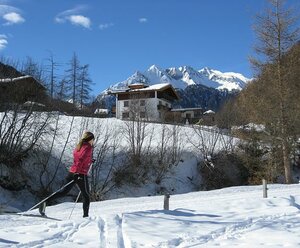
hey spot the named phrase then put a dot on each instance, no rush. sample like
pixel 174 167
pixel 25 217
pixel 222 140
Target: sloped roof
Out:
pixel 151 88
pixel 21 78
pixel 7 80
pixel 185 109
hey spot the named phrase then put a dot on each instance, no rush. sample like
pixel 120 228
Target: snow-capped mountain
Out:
pixel 185 76
pixel 137 77
pixel 227 80
pixel 213 86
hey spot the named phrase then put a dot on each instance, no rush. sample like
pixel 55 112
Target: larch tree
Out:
pixel 85 83
pixel 52 78
pixel 277 33
pixel 72 77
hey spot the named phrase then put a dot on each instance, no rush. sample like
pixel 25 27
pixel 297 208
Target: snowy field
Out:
pixel 230 217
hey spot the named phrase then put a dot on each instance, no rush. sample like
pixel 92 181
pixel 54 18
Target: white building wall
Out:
pixel 150 108
pixel 118 109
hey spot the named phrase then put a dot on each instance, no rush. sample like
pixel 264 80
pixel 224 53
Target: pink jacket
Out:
pixel 82 159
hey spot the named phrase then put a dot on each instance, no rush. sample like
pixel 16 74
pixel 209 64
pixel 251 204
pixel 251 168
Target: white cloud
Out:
pixel 80 20
pixel 13 18
pixel 143 20
pixel 74 17
pixel 3 41
pixel 105 25
pixel 73 11
pixel 11 14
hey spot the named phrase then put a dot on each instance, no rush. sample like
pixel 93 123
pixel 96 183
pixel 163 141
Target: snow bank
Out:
pixel 231 217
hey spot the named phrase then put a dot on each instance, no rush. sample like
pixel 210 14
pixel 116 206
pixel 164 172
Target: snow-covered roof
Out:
pixel 16 79
pixel 101 111
pixel 148 88
pixel 209 112
pixel 30 103
pixel 155 87
pixel 7 80
pixel 185 109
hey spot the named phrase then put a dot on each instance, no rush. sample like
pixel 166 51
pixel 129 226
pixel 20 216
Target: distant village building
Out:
pixel 101 112
pixel 152 103
pixel 187 115
pixel 209 117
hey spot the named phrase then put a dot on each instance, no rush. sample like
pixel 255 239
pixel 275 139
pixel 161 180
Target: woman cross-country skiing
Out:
pixel 82 155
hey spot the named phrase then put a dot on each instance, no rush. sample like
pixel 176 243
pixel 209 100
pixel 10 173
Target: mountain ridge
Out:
pixel 184 76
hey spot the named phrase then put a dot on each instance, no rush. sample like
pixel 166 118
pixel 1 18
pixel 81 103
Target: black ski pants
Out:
pixel 82 182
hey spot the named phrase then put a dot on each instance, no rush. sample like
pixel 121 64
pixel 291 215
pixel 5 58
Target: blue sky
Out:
pixel 118 37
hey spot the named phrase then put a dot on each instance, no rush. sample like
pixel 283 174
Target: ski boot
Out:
pixel 42 208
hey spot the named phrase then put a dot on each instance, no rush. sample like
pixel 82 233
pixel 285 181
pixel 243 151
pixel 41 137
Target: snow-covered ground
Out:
pixel 230 217
pixel 182 177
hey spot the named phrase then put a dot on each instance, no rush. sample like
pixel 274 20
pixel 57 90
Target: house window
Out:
pixel 142 102
pixel 134 102
pixel 142 115
pixel 126 103
pixel 125 115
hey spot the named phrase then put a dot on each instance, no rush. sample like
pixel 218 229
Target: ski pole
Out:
pixel 75 204
pixel 50 196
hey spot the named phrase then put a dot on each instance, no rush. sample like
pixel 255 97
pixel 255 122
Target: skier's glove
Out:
pixel 77 177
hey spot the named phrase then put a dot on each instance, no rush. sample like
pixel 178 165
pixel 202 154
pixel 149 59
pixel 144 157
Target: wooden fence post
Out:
pixel 166 201
pixel 265 193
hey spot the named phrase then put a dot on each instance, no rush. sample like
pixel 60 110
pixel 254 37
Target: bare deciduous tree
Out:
pixel 19 133
pixel 205 142
pixel 32 68
pixel 168 150
pixel 105 155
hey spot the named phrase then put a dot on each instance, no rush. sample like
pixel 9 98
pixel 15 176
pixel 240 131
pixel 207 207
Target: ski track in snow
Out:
pixel 59 237
pixel 101 227
pixel 119 221
pixel 111 232
pixel 112 228
pixel 66 233
pixel 233 231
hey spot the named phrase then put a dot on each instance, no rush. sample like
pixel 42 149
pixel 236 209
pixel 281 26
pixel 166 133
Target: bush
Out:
pixel 224 170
